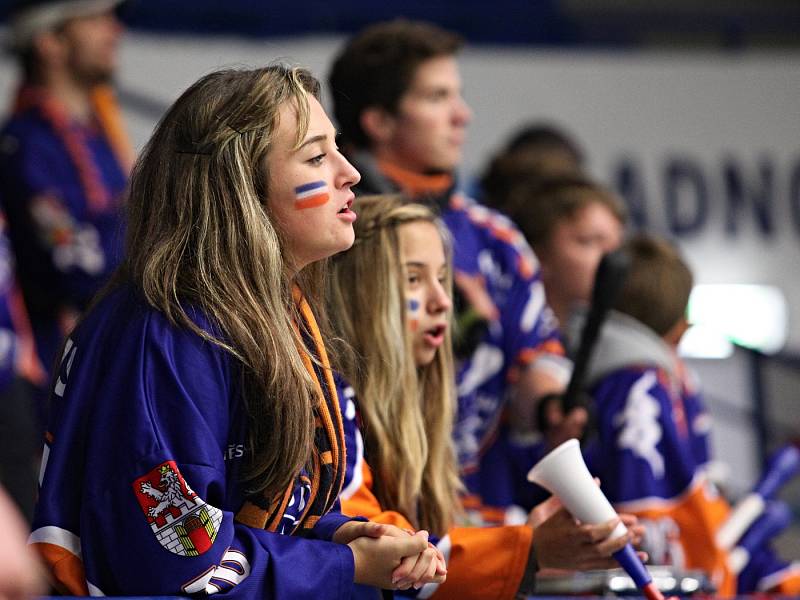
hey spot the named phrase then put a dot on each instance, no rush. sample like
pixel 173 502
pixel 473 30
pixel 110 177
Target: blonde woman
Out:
pixel 390 299
pixel 196 445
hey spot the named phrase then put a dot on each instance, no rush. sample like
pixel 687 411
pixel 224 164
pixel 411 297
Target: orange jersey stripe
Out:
pixel 67 569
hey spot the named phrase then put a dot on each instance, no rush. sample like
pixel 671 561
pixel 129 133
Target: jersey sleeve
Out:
pixel 136 497
pixel 482 563
pixel 533 330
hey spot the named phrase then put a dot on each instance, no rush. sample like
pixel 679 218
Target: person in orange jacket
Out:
pixel 391 306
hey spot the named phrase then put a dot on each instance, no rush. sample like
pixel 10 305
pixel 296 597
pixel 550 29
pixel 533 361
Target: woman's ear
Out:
pixel 379 124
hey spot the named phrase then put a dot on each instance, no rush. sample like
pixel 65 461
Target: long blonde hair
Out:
pixel 200 236
pixel 407 411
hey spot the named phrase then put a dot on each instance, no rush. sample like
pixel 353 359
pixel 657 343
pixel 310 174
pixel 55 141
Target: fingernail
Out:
pixel 395 580
pixel 417 586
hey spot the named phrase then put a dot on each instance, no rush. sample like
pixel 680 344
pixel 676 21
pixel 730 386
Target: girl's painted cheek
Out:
pixel 413 314
pixel 310 195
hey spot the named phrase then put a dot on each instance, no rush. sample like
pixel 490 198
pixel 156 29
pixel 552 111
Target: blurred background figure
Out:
pixel 397 93
pixel 570 222
pixel 651 440
pixel 536 151
pixel 64 160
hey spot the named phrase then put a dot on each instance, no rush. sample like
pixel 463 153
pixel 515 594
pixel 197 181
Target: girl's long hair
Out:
pixel 407 411
pixel 200 236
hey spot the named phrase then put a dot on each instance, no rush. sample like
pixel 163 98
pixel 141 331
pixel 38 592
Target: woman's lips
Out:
pixel 434 336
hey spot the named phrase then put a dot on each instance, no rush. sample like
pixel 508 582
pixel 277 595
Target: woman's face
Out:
pixel 309 188
pixel 427 301
pixel 570 258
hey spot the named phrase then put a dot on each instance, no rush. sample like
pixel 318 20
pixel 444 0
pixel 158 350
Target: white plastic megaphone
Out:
pixel 564 474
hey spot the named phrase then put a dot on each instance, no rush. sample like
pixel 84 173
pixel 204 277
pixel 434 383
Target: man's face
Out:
pixel 427 133
pixel 91 47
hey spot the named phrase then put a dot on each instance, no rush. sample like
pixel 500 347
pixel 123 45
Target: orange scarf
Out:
pixel 328 456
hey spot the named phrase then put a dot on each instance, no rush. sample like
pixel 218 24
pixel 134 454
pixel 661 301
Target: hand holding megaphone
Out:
pixel 563 472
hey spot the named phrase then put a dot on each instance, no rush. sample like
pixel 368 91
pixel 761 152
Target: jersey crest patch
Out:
pixel 181 521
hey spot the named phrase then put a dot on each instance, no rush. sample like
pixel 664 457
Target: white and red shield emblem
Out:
pixel 181 521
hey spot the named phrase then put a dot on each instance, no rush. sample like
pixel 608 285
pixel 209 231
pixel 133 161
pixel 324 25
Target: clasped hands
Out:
pixel 389 557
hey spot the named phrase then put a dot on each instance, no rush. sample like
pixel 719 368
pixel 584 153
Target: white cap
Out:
pixel 41 16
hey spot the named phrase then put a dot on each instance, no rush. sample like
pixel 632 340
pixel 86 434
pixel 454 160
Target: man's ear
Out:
pixel 378 124
pixel 48 47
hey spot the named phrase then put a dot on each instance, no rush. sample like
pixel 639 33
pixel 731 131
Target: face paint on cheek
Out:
pixel 310 195
pixel 413 314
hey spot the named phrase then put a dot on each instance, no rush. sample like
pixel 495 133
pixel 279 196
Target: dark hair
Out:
pixel 377 66
pixel 538 205
pixel 656 290
pixel 546 137
pixel 536 151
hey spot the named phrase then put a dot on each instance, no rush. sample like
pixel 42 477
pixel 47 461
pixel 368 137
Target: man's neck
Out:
pixel 73 96
pixel 561 307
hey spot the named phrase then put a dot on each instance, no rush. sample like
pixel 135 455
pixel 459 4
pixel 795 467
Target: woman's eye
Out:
pixel 317 159
pixel 412 279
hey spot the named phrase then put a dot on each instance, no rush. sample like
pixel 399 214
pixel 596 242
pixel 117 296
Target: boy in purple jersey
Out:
pixel 651 443
pixel 196 445
pixel 397 97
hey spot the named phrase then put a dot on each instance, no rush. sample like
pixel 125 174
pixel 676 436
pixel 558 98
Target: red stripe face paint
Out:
pixel 311 195
pixel 413 314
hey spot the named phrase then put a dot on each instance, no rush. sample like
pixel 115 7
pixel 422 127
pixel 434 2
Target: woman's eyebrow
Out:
pixel 317 138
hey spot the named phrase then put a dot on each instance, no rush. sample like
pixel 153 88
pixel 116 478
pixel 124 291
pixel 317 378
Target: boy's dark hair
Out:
pixel 377 66
pixel 658 285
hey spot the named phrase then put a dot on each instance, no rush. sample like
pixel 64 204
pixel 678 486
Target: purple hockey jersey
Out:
pixel 140 477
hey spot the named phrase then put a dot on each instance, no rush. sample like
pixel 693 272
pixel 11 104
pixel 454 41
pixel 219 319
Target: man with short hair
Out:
pixel 64 160
pixel 398 100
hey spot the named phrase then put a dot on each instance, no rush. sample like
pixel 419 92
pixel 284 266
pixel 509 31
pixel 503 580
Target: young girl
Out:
pixel 195 419
pixel 391 301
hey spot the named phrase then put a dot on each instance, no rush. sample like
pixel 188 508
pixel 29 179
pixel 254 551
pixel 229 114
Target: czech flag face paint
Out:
pixel 310 195
pixel 413 314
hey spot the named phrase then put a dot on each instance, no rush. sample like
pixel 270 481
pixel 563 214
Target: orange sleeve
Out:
pixel 482 562
pixel 363 503
pixel 485 562
pixel 698 514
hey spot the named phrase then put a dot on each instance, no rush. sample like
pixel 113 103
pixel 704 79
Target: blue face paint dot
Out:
pixel 413 305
